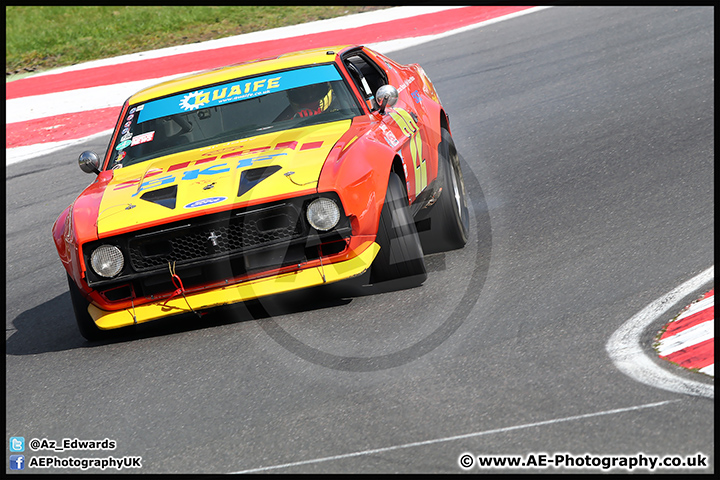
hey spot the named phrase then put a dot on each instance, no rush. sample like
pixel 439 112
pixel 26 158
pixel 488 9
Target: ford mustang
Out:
pixel 313 167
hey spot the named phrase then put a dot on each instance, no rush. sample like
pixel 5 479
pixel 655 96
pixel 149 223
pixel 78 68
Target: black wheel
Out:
pixel 449 218
pixel 85 323
pixel 401 254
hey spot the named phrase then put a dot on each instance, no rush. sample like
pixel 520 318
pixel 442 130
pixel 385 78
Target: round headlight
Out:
pixel 323 214
pixel 107 260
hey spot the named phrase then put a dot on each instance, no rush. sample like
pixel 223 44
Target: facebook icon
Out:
pixel 17 462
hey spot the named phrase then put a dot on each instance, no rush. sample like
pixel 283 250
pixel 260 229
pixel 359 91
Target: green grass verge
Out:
pixel 43 37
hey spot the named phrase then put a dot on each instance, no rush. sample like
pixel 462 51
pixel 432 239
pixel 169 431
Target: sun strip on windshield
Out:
pixel 236 91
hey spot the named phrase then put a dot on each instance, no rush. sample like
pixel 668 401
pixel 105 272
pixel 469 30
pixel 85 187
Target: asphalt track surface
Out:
pixel 588 148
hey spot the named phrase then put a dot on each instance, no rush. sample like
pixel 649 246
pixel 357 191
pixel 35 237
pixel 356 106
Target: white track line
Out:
pixel 40 106
pixel 628 356
pixel 23 109
pixel 456 437
pixel 20 154
pixel 92 98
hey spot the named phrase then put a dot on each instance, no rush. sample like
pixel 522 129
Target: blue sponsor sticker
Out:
pixel 205 201
pixel 123 145
pixel 237 90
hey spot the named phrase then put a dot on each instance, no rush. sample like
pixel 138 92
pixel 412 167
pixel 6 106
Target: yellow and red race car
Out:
pixel 261 178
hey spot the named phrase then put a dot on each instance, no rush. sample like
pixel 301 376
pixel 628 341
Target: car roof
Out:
pixel 245 69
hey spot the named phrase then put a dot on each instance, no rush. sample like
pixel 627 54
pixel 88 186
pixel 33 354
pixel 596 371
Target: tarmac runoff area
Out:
pixel 44 116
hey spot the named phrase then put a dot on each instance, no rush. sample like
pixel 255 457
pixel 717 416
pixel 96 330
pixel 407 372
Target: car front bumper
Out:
pixel 226 295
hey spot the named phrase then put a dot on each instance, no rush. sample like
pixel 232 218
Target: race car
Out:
pixel 313 167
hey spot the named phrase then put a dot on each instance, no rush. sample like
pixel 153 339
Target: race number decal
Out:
pixel 410 128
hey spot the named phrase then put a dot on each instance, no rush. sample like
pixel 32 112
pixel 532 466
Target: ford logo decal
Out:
pixel 205 201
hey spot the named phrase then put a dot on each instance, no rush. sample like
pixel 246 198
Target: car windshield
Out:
pixel 228 111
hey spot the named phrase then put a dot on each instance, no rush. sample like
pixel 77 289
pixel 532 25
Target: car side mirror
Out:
pixel 89 162
pixel 386 96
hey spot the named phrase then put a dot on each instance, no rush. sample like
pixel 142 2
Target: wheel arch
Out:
pixel 397 167
pixel 444 120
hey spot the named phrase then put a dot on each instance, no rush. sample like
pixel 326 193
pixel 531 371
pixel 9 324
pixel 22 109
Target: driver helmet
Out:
pixel 311 99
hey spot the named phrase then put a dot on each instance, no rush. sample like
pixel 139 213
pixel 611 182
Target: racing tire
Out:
pixel 401 254
pixel 85 323
pixel 449 218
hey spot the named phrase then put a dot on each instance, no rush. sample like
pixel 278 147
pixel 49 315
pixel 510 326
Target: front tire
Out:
pixel 449 218
pixel 401 254
pixel 85 323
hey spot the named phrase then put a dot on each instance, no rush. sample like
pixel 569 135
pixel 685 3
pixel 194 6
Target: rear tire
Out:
pixel 85 323
pixel 401 254
pixel 449 217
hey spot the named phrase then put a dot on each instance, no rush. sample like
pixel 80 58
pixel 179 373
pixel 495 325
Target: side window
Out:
pixel 367 76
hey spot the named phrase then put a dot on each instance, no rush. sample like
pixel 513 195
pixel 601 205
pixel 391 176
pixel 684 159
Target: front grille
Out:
pixel 216 248
pixel 237 232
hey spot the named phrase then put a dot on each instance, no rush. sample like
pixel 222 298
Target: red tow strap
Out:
pixel 179 288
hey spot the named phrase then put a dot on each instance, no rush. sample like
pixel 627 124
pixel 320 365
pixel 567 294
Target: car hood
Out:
pixel 196 182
